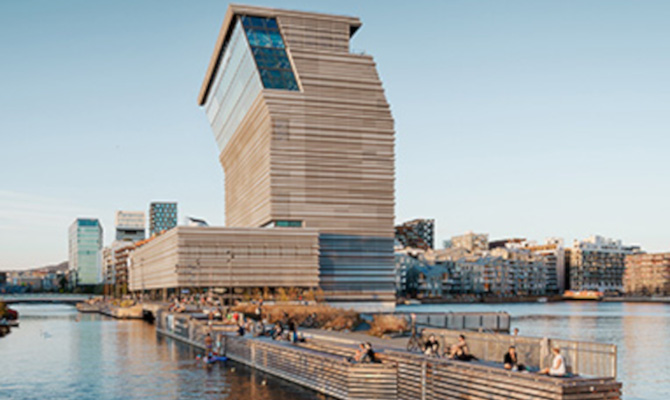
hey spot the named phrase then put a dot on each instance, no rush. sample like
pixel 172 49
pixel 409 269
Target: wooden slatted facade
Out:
pixel 322 155
pixel 192 257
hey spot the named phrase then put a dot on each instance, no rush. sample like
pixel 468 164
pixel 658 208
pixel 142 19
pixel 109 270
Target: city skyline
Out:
pixel 97 140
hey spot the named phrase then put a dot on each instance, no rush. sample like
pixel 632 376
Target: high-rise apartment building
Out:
pixel 306 140
pixel 598 263
pixel 130 225
pixel 162 217
pixel 417 233
pixel 85 251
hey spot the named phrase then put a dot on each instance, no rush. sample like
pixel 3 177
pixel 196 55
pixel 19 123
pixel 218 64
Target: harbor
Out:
pixel 52 331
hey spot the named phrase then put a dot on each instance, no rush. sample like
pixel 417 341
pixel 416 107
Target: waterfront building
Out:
pixel 418 275
pixel 122 254
pixel 162 217
pixel 130 225
pixel 598 263
pixel 503 272
pixel 108 265
pixel 470 241
pixel 306 141
pixel 115 266
pixel 417 233
pixel 554 254
pixel 85 251
pixel 199 258
pixel 647 274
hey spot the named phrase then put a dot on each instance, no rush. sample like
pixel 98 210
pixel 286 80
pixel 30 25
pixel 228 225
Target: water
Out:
pixel 640 331
pixel 53 356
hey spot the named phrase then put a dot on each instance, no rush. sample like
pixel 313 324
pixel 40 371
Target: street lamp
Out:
pixel 230 277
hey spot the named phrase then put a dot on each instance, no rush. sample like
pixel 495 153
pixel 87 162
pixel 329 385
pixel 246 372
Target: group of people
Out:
pixel 364 354
pixel 460 351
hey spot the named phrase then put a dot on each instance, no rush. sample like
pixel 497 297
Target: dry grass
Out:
pixel 385 323
pixel 326 317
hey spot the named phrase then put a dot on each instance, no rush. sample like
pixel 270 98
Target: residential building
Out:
pixel 503 272
pixel 553 252
pixel 418 277
pixel 647 274
pixel 306 140
pixel 162 217
pixel 122 254
pixel 472 242
pixel 85 251
pixel 108 266
pixel 130 225
pixel 598 263
pixel 417 234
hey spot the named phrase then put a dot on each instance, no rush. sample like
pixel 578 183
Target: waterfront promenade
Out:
pixel 321 365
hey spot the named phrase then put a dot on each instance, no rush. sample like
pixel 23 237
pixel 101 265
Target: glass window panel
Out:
pixel 276 39
pixel 267 46
pixel 264 39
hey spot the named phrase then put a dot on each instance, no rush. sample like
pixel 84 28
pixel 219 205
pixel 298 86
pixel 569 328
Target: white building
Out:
pixel 130 225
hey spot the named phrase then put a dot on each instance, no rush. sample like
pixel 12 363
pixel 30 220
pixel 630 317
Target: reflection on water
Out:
pixel 640 331
pixel 53 356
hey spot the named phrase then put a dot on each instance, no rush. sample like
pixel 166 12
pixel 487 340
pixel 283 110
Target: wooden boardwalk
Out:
pixel 320 364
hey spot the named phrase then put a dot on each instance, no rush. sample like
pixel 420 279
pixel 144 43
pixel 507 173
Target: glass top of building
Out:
pixel 269 50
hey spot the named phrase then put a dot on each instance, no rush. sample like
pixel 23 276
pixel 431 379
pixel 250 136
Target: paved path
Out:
pixel 354 338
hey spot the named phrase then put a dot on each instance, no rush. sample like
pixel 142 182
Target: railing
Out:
pixel 44 298
pixel 488 321
pixel 582 358
pixel 322 371
pixel 424 378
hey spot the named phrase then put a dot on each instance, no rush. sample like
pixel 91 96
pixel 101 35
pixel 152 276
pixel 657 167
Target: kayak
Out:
pixel 214 359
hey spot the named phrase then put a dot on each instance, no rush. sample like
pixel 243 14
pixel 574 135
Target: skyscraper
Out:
pixel 85 246
pixel 162 217
pixel 306 139
pixel 130 225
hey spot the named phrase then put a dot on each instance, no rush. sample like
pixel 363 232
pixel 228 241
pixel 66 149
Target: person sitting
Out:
pixel 370 355
pixel 358 356
pixel 460 350
pixel 277 332
pixel 208 342
pixel 511 360
pixel 431 347
pixel 293 331
pixel 557 365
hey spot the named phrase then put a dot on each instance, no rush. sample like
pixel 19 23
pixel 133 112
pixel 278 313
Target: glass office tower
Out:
pixel 85 251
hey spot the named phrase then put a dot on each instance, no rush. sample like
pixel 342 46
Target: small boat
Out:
pixel 542 300
pixel 211 359
pixel 591 295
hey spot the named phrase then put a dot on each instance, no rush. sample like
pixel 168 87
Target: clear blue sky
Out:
pixel 517 118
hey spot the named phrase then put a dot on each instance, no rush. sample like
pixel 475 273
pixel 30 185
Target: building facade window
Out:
pixel 269 51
